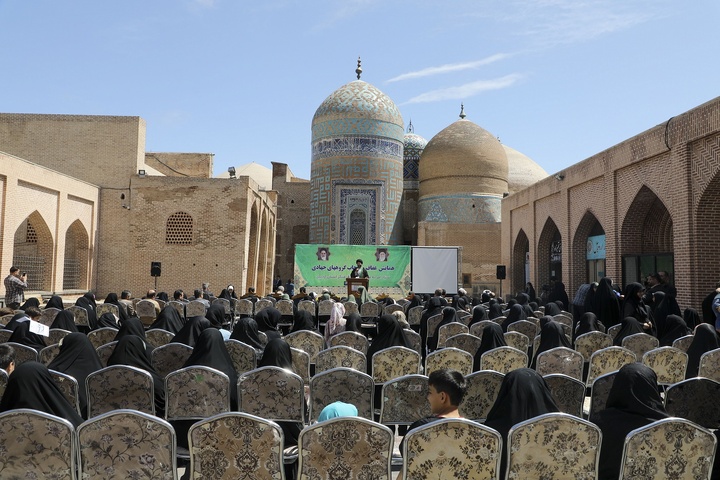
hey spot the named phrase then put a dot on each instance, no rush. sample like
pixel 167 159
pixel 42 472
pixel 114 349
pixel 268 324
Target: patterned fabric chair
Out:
pixel 107 307
pixel 403 302
pixel 568 392
pixel 193 393
pixel 465 342
pixel 195 309
pixel 285 307
pixel 170 357
pixel 102 336
pixel 554 445
pixel 691 399
pixel 309 342
pixel 608 360
pixel 394 307
pixel 127 444
pixel 272 393
pixel 561 360
pixel 452 448
pixel 48 354
pixel 612 331
pixel 340 356
pixel 244 308
pixel 310 307
pixel 36 445
pixel 464 317
pixel 261 304
pixel 351 307
pixel 452 358
pixel 369 310
pixel 589 343
pixel 404 400
pixel 564 319
pixel 57 334
pixel 668 363
pixel 500 319
pixel 23 353
pixel 5 335
pixel 503 360
pixel 529 329
pixel 157 337
pixel 225 303
pixel 218 451
pixel 414 315
pixel 344 385
pixel 432 324
pixel 669 448
pixel 683 343
pixel 244 357
pixel 413 339
pixel 117 387
pixel 710 365
pixel 81 316
pixel 69 387
pixel 145 309
pixel 104 352
pixel 47 316
pixel 3 381
pixel 355 340
pixel 161 303
pixel 517 340
pixel 324 309
pixel 394 362
pixel 449 330
pixel 599 392
pixel 345 447
pixel 482 390
pixel 477 328
pixel 640 343
pixel 179 307
pixel 301 364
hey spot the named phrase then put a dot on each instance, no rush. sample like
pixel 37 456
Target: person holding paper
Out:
pixel 29 331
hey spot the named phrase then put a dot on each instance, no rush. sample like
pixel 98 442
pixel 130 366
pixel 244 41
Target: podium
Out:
pixel 354 283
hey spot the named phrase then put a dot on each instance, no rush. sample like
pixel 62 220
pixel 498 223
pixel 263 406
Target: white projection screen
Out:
pixel 435 267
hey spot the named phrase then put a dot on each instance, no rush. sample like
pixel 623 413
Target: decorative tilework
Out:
pixel 356 126
pixel 357 154
pixel 353 146
pixel 460 209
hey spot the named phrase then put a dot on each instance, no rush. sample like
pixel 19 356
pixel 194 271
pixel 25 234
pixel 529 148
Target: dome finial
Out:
pixel 410 128
pixel 358 70
pixel 462 111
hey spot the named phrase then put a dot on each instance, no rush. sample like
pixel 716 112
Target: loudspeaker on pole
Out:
pixel 500 272
pixel 155 269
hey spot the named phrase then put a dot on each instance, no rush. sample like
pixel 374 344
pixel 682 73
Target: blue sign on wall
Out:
pixel 596 248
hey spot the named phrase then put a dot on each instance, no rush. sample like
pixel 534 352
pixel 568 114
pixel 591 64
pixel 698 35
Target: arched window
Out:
pixel 358 228
pixel 179 229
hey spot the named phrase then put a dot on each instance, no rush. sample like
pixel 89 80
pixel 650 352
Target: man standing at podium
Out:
pixel 359 271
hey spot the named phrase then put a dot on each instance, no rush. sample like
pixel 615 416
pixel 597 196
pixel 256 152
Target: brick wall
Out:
pixel 656 192
pixel 102 150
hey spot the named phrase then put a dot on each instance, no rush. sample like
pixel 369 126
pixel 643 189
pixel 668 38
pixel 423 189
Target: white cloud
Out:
pixel 205 3
pixel 467 90
pixel 448 68
pixel 554 22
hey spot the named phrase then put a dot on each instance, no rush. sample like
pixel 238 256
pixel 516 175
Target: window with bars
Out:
pixel 30 233
pixel 179 229
pixel 358 229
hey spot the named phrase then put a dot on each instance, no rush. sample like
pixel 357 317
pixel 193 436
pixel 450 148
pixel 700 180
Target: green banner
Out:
pixel 330 265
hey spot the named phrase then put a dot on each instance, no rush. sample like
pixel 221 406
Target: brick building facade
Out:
pixel 654 197
pixel 85 207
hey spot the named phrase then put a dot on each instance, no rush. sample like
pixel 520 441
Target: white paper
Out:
pixel 39 328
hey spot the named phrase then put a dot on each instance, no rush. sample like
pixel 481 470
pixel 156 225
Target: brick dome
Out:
pixel 463 158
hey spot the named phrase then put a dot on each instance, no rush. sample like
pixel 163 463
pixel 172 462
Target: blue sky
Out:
pixel 558 80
